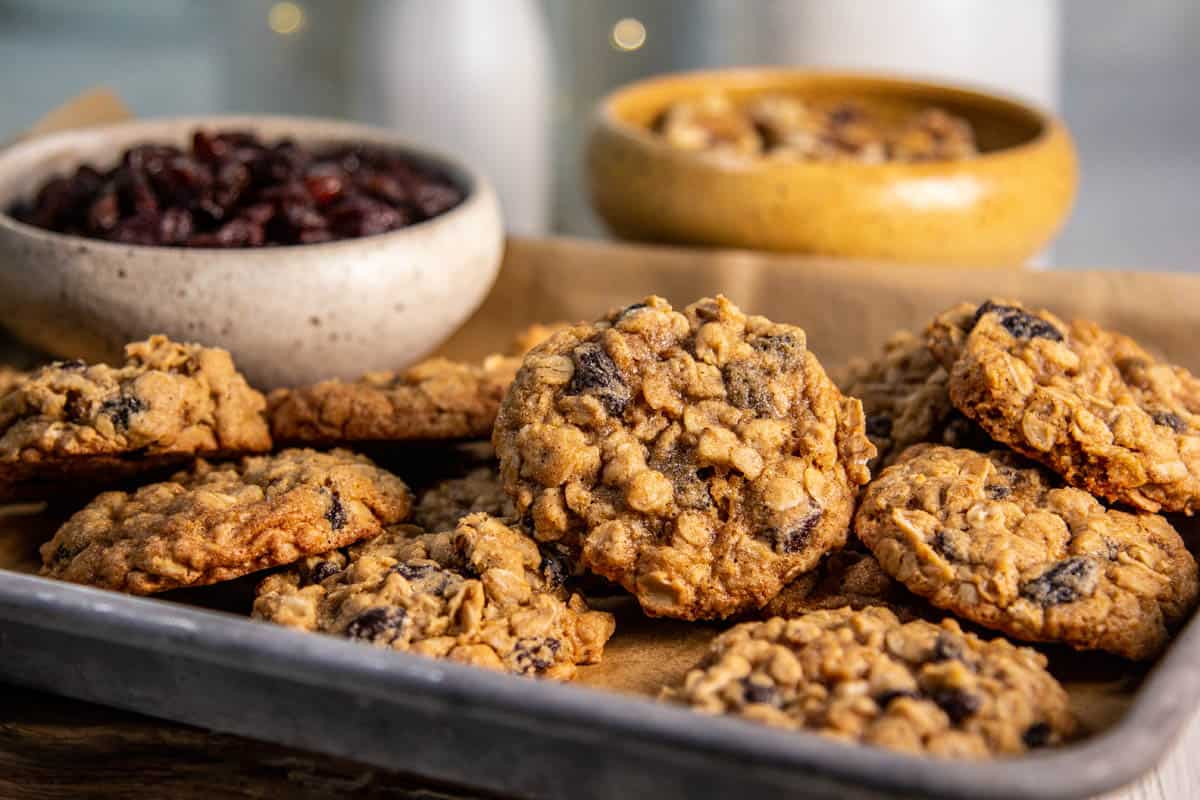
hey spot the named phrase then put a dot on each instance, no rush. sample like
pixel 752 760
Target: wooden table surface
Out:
pixel 54 748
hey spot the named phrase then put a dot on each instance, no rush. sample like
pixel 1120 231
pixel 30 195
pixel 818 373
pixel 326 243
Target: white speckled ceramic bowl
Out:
pixel 290 315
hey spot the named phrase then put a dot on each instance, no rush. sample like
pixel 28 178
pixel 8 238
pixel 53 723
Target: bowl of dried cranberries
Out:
pixel 309 248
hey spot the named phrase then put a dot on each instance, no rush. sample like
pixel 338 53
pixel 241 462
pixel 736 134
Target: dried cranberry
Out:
pixel 175 226
pixel 105 213
pixel 432 199
pixel 323 187
pixel 229 189
pixel 138 229
pixel 240 233
pixel 315 236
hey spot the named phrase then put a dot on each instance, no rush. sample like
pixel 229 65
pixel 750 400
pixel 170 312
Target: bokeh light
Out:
pixel 628 34
pixel 286 19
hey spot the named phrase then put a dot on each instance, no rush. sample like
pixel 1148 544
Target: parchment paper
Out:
pixel 846 308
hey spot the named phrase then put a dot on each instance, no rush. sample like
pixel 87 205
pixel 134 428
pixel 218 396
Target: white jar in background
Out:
pixel 1013 47
pixel 470 77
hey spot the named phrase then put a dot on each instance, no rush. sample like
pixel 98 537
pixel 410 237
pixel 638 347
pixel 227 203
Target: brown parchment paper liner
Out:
pixel 847 308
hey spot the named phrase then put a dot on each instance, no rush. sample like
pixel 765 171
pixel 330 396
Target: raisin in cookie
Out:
pixel 996 540
pixel 482 594
pixel 863 676
pixel 441 505
pixel 71 422
pixel 906 398
pixel 850 578
pixel 700 459
pixel 216 522
pixel 1088 403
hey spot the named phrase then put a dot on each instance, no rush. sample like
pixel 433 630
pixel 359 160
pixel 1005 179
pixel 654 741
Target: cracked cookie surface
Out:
pixel 906 399
pixel 700 459
pixel 216 522
pixel 441 505
pixel 482 594
pixel 999 541
pixel 865 677
pixel 1089 403
pixel 75 422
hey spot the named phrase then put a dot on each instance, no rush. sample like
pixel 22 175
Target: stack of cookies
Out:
pixel 1020 470
pixel 326 525
pixel 1002 467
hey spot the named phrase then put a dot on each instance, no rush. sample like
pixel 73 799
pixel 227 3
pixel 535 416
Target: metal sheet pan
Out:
pixel 509 735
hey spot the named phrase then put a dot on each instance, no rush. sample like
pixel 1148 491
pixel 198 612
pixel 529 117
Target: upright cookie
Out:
pixel 994 539
pixel 700 459
pixel 482 594
pixel 441 506
pixel 437 399
pixel 906 398
pixel 216 522
pixel 1088 403
pixel 864 677
pixel 71 422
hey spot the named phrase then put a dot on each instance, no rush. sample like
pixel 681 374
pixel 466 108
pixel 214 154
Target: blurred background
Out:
pixel 511 83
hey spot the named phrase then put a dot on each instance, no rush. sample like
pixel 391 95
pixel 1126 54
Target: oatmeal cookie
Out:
pixel 846 578
pixel 216 522
pixel 71 422
pixel 1088 403
pixel 437 399
pixel 481 594
pixel 441 505
pixel 906 398
pixel 997 540
pixel 864 677
pixel 700 459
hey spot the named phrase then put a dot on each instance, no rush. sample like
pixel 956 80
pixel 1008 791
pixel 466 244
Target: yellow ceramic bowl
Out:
pixel 999 208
